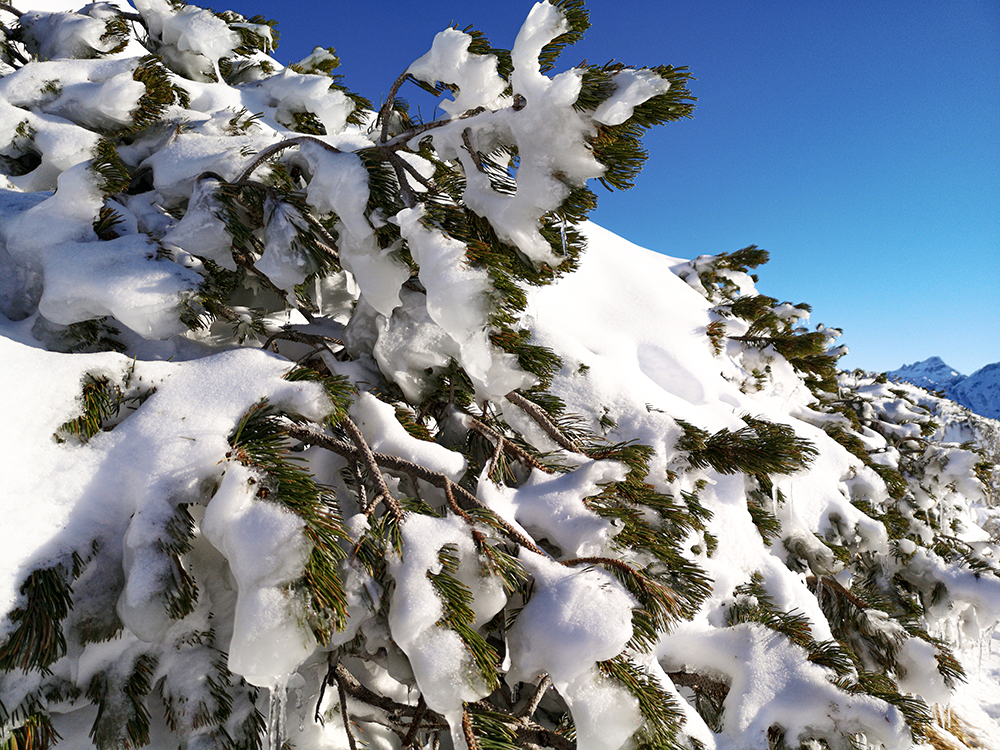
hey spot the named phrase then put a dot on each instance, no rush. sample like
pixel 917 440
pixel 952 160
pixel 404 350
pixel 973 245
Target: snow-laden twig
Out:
pixel 506 445
pixel 436 479
pixel 276 148
pixel 531 706
pixel 536 412
pixel 382 489
pixel 300 337
pixel 11 9
pixel 418 717
pixel 385 112
pixel 342 695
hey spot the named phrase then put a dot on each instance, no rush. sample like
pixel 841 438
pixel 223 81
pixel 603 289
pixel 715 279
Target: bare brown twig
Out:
pixel 270 151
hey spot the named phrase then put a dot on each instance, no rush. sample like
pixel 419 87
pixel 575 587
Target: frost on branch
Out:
pixel 329 459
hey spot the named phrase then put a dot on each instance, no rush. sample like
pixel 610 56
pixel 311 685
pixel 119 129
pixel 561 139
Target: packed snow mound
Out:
pixel 979 391
pixel 328 426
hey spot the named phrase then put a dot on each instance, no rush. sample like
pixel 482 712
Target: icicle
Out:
pixel 276 714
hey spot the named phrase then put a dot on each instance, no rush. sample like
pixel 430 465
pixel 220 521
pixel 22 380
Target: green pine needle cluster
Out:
pixel 260 442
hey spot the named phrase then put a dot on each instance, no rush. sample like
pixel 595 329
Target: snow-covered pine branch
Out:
pixel 303 444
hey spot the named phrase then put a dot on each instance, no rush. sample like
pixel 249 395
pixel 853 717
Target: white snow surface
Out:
pixel 632 329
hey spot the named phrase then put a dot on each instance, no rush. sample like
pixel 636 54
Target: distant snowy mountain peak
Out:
pixel 979 392
pixel 932 373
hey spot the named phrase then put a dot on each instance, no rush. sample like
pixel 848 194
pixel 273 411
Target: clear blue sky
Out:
pixel 857 141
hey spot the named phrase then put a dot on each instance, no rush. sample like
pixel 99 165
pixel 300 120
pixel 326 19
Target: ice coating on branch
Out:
pixel 85 278
pixel 384 433
pixel 450 61
pixel 551 505
pixel 604 713
pixel 340 185
pixel 770 680
pixel 194 32
pixel 444 670
pixel 458 298
pixel 59 143
pixel 284 261
pixel 65 34
pixel 290 92
pixel 200 231
pixel 266 551
pixel 577 616
pixel 633 88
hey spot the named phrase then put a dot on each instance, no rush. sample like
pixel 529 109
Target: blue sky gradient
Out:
pixel 858 142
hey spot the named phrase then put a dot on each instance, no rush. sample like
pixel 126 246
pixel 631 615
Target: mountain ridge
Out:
pixel 979 391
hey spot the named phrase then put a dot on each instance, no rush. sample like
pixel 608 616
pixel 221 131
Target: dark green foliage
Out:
pixel 339 389
pixel 102 400
pixel 110 169
pixel 161 92
pixel 260 442
pixel 753 604
pixel 662 717
pixel 578 21
pixel 913 708
pixel 492 731
pixel 120 693
pixel 180 590
pixel 669 586
pixel 117 32
pixel 761 447
pixel 619 147
pixel 456 600
pixel 105 223
pixel 36 733
pixel 37 639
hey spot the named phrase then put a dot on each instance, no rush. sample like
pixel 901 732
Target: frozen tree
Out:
pixel 296 457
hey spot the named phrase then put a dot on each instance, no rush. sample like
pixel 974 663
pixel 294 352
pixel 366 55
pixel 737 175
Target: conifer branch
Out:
pixel 300 337
pixel 400 140
pixel 385 111
pixel 406 192
pixel 529 708
pixel 311 437
pixel 470 736
pixel 359 692
pixel 418 718
pixel 467 140
pixel 431 187
pixel 537 736
pixel 368 458
pixel 342 695
pixel 536 412
pixel 506 445
pixel 276 148
pixel 11 9
pixel 329 244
